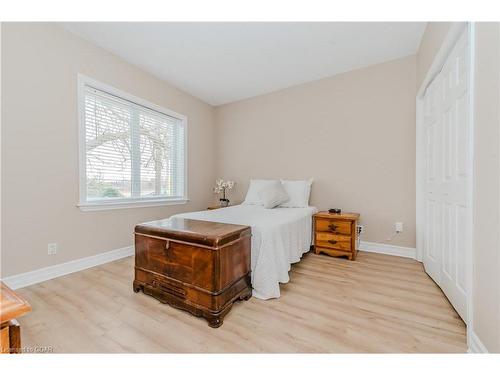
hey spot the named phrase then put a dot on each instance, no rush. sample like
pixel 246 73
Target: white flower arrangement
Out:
pixel 222 186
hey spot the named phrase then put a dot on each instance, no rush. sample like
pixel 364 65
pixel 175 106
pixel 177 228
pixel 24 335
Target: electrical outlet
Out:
pixel 398 227
pixel 51 249
pixel 361 229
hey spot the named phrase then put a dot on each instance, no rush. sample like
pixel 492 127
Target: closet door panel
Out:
pixel 448 174
pixel 433 170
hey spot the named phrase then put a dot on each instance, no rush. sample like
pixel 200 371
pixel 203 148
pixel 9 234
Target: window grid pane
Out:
pixel 132 152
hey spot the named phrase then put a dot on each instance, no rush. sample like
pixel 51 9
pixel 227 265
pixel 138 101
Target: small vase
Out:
pixel 224 202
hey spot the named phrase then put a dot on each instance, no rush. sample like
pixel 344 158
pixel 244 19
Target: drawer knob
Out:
pixel 167 245
pixel 333 227
pixel 333 242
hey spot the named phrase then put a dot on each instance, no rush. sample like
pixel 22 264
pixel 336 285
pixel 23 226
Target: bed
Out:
pixel 280 236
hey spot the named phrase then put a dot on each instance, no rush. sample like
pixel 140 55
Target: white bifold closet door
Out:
pixel 447 177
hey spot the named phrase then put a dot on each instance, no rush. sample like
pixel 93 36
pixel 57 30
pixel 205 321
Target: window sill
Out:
pixel 103 206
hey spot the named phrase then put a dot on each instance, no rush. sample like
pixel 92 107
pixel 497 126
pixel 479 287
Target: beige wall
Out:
pixel 354 133
pixel 432 39
pixel 486 279
pixel 40 63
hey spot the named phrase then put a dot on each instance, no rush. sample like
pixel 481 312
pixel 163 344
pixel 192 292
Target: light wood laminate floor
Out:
pixel 378 303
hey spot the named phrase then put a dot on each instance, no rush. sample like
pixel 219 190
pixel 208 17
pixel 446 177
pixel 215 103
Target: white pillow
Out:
pixel 273 195
pixel 254 188
pixel 298 193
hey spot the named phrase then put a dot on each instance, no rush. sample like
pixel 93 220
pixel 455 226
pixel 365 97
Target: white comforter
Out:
pixel 279 238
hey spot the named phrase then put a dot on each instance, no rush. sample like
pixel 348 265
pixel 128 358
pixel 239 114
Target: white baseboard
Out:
pixel 33 277
pixel 47 273
pixel 382 248
pixel 475 345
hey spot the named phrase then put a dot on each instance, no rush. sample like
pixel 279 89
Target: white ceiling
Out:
pixel 225 62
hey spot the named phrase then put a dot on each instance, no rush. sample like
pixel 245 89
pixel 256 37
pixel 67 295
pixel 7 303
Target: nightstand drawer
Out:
pixel 333 226
pixel 333 241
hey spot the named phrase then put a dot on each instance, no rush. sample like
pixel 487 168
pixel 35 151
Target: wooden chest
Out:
pixel 335 234
pixel 199 266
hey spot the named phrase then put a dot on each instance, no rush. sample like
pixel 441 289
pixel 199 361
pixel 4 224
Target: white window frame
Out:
pixel 109 204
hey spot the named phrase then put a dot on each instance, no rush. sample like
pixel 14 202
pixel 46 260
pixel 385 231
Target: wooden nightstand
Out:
pixel 214 207
pixel 335 234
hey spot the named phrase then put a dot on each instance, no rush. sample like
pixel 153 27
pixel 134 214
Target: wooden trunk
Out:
pixel 198 266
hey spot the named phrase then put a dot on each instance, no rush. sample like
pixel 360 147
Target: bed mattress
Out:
pixel 279 238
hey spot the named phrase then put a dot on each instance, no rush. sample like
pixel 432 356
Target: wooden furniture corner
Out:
pixel 12 306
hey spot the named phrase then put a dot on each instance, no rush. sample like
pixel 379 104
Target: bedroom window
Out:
pixel 132 153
